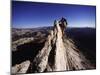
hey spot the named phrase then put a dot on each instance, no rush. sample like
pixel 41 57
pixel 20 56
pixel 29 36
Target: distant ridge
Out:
pixel 57 53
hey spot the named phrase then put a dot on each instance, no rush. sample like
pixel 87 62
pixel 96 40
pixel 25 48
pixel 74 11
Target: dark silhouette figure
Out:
pixel 63 24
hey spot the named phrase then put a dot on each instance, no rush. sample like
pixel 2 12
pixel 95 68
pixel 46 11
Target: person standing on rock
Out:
pixel 63 24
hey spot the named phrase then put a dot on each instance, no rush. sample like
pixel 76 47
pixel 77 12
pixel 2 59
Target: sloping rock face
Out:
pixel 21 68
pixel 57 54
pixel 65 56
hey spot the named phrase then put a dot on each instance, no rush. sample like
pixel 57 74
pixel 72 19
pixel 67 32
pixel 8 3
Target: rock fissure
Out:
pixel 59 52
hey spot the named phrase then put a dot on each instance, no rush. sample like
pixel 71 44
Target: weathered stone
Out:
pixel 21 68
pixel 58 53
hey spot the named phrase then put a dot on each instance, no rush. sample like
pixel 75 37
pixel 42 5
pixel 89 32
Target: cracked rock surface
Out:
pixel 57 53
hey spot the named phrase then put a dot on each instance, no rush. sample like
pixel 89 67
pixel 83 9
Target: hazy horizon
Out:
pixel 47 26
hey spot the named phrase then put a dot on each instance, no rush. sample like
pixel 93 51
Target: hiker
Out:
pixel 63 24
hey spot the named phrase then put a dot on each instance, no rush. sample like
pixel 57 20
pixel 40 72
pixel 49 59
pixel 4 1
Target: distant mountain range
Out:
pixel 84 38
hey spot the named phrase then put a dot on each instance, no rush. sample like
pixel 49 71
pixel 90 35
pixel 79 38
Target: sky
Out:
pixel 35 14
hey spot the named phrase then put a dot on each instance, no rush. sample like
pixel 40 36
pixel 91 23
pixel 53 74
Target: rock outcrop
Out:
pixel 59 53
pixel 21 68
pixel 65 55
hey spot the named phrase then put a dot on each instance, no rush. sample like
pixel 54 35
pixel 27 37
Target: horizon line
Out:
pixel 48 26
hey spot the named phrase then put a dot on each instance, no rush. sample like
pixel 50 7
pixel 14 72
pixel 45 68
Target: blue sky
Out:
pixel 33 14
